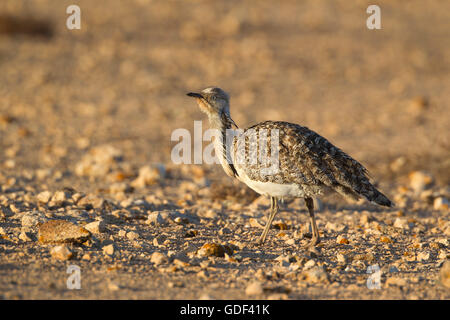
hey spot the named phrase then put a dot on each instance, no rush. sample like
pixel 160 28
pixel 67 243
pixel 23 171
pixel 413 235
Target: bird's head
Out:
pixel 212 101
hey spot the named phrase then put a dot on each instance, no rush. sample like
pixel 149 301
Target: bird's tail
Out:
pixel 381 199
pixel 374 195
pixel 368 191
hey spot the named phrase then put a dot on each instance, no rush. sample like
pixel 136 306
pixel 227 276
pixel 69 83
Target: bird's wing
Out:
pixel 305 158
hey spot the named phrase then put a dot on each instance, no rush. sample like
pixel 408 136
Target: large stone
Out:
pixel 61 231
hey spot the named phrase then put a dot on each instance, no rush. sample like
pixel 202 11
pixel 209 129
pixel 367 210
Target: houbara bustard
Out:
pixel 307 164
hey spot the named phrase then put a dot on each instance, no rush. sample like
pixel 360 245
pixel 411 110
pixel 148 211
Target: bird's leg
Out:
pixel 273 212
pixel 315 231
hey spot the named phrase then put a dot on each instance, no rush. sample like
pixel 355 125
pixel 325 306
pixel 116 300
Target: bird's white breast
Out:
pixel 289 190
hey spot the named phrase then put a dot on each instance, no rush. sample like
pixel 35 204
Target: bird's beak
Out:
pixel 201 101
pixel 195 95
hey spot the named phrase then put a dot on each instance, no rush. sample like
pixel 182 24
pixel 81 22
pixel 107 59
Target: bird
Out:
pixel 305 164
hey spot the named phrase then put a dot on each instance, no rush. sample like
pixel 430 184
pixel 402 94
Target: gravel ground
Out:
pixel 86 177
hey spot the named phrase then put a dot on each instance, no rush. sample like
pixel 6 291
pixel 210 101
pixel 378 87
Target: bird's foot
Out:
pixel 261 241
pixel 314 241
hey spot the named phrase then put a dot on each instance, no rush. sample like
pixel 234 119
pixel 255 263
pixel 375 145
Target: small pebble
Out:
pixel 309 264
pixel 423 256
pixel 445 274
pixel 314 275
pixel 396 281
pixel 254 289
pixel 61 252
pixel 441 203
pixel 341 258
pixel 214 249
pixel 112 286
pixel 342 240
pixel 132 235
pixel 44 196
pixel 96 227
pixel 109 249
pixel 155 219
pixel 158 258
pixel 24 237
pixel 419 180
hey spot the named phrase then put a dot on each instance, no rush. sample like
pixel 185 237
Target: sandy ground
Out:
pixel 86 118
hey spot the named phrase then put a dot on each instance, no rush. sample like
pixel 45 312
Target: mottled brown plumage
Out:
pixel 298 162
pixel 310 161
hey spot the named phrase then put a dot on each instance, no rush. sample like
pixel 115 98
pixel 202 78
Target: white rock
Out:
pixel 341 258
pixel 32 219
pixel 158 258
pixel 60 196
pixel 396 281
pixel 445 274
pixel 24 237
pixel 108 249
pixel 86 256
pixel 159 240
pixel 205 296
pixel 334 227
pixel 96 227
pixel 132 235
pixel 441 203
pixel 254 289
pixel 98 161
pixel 44 196
pixel 316 274
pixel 419 180
pixel 119 187
pixel 283 260
pixel 290 241
pixel 148 175
pixel 61 252
pixel 112 286
pixel 309 264
pixel 155 218
pixel 423 256
pixel 401 223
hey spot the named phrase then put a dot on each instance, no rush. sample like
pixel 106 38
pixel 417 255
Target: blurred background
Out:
pixel 380 95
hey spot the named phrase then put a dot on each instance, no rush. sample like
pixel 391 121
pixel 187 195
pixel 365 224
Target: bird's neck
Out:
pixel 223 122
